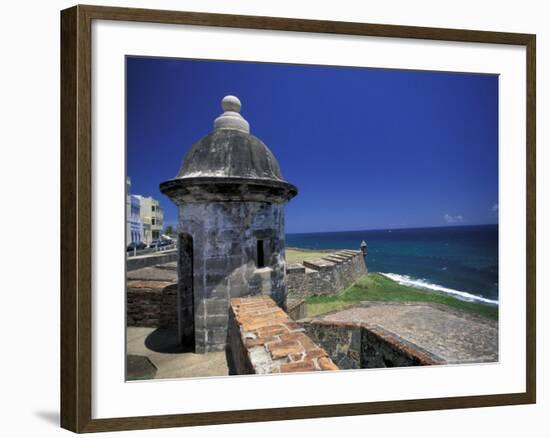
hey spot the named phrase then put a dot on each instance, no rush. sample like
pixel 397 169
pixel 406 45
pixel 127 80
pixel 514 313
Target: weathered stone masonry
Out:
pixel 327 275
pixel 353 345
pixel 225 236
pixel 151 304
pixel 230 195
pixel 264 340
pixel 151 297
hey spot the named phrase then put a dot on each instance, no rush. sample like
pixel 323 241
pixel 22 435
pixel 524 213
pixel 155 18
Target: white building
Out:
pixel 128 209
pixel 152 218
pixel 134 226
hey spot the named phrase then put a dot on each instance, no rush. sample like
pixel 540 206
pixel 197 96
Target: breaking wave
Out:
pixel 406 280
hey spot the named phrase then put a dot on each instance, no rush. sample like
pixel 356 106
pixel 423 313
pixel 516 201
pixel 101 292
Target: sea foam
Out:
pixel 406 280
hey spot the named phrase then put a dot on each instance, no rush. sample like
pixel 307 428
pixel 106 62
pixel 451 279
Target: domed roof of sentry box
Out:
pixel 229 163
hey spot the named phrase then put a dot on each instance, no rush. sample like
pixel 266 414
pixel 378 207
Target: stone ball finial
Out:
pixel 231 119
pixel 231 103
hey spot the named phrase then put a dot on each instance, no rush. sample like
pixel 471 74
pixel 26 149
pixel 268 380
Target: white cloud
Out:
pixel 458 219
pixel 495 208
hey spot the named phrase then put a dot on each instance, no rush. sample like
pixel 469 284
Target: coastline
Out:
pixel 380 287
pixel 376 287
pixel 421 284
pixel 460 260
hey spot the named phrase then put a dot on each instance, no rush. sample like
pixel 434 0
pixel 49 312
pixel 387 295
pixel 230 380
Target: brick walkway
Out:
pixel 270 341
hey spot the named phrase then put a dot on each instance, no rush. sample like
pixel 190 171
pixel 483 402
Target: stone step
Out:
pixel 339 256
pixel 350 252
pixel 295 268
pixel 337 260
pixel 318 264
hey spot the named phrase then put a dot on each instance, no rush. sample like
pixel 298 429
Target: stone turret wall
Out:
pixel 225 261
pixel 325 276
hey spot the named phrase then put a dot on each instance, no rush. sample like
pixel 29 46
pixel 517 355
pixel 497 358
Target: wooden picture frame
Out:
pixel 76 217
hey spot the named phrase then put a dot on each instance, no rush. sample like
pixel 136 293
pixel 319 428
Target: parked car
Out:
pixel 136 245
pixel 166 242
pixel 155 244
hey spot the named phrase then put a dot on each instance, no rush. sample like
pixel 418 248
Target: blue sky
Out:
pixel 367 148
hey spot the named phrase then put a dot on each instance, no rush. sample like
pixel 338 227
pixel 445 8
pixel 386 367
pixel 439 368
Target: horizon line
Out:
pixel 391 229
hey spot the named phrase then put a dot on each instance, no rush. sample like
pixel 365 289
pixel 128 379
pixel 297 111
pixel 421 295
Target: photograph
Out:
pixel 275 219
pixel 285 218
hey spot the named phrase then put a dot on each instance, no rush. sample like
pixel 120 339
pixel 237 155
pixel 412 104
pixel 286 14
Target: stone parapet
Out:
pixel 319 264
pixel 334 259
pixel 353 345
pixel 293 268
pixel 326 275
pixel 405 332
pixel 151 297
pixel 151 259
pixel 264 340
pixel 296 308
pixel 350 251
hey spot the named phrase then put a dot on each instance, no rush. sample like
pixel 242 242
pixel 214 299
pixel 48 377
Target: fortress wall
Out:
pixel 151 259
pixel 151 295
pixel 327 275
pixel 353 346
pixel 296 308
pixel 342 342
pixel 296 281
pixel 151 303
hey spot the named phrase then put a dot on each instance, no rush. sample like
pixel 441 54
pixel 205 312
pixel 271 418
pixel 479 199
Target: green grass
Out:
pixel 295 255
pixel 376 287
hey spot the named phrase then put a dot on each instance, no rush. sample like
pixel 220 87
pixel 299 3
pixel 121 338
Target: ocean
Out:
pixel 461 261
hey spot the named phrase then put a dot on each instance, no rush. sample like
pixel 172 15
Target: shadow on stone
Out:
pixel 232 371
pixel 165 340
pixel 139 368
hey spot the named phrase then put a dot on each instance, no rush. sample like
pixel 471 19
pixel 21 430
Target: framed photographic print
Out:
pixel 268 218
